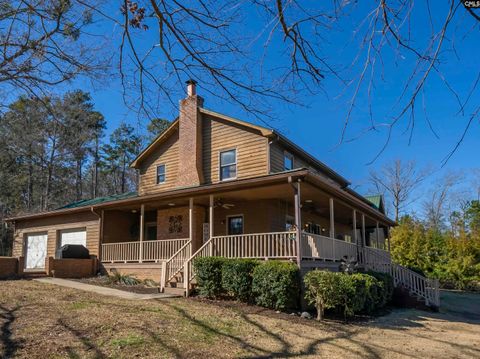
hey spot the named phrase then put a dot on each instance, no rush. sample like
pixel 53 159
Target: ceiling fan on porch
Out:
pixel 220 203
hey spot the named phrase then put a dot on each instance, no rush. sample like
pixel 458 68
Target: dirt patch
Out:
pixel 104 281
pixel 38 320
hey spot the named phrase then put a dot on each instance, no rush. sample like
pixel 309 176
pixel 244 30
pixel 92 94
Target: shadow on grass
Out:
pixel 10 345
pixel 285 348
pixel 85 340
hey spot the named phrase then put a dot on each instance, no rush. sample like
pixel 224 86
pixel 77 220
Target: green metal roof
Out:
pixel 376 200
pixel 98 200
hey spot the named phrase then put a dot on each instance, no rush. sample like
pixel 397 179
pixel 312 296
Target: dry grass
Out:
pixel 44 321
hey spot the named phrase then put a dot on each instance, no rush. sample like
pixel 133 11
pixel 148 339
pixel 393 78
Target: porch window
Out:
pixel 287 161
pixel 161 174
pixel 235 225
pixel 228 164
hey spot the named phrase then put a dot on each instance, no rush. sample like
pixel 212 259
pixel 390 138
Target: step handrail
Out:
pixel 166 266
pixel 426 288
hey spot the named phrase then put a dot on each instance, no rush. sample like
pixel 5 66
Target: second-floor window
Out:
pixel 161 174
pixel 228 164
pixel 287 161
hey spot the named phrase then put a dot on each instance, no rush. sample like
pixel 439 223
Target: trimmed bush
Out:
pixel 350 294
pixel 374 290
pixel 386 293
pixel 276 285
pixel 323 289
pixel 209 276
pixel 237 277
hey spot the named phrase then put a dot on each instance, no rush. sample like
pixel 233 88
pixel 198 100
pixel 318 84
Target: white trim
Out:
pixel 220 164
pixel 25 248
pixel 58 244
pixel 234 216
pixel 156 173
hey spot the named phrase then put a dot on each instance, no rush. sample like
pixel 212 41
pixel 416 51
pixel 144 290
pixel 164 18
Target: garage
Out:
pixel 73 236
pixel 36 250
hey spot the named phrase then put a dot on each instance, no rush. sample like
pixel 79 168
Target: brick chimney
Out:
pixel 190 171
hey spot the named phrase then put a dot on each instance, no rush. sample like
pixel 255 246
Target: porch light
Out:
pixel 171 204
pixel 308 200
pixel 134 211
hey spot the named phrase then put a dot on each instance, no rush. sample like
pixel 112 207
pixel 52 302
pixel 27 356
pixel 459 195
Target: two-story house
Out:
pixel 214 185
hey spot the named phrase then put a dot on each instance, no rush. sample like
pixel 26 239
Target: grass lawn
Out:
pixel 45 321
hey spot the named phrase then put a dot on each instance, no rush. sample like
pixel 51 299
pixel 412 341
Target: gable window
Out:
pixel 287 161
pixel 235 225
pixel 161 174
pixel 228 164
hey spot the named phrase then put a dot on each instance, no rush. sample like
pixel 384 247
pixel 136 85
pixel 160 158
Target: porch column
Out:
pixel 332 219
pixel 388 236
pixel 378 236
pixel 210 216
pixel 210 225
pixel 142 225
pixel 190 220
pixel 100 247
pixel 355 227
pixel 364 238
pixel 298 221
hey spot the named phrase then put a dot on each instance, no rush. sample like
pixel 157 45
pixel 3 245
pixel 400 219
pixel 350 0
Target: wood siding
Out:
pixel 277 151
pixel 53 225
pixel 167 154
pixel 219 135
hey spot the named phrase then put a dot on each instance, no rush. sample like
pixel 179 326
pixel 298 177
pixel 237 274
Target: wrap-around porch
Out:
pixel 261 222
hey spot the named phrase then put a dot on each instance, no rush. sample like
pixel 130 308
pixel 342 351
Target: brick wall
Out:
pixel 190 142
pixel 8 267
pixel 71 268
pixel 140 271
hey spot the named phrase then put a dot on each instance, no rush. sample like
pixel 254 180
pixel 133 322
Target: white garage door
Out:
pixel 73 236
pixel 36 251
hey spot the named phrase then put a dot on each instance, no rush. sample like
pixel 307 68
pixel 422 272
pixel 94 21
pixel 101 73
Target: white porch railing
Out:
pixel 314 246
pixel 276 245
pixel 174 264
pixel 426 288
pixel 152 251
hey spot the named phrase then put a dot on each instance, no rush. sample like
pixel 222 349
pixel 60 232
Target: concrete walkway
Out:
pixel 103 290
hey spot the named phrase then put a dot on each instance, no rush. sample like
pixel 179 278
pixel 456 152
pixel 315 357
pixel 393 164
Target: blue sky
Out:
pixel 316 125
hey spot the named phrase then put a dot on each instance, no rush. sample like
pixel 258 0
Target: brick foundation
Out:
pixel 140 271
pixel 71 268
pixel 8 267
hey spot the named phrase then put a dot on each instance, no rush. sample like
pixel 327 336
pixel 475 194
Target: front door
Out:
pixel 36 248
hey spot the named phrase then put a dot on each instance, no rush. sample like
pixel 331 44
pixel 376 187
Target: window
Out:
pixel 161 174
pixel 287 161
pixel 228 165
pixel 235 225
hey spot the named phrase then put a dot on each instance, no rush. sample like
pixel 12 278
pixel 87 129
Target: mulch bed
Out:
pixel 103 281
pixel 291 316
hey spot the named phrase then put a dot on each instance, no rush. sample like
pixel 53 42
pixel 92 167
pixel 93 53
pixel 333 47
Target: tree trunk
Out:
pixel 78 180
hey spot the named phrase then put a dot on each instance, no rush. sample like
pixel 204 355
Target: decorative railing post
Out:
pixel 163 277
pixel 186 278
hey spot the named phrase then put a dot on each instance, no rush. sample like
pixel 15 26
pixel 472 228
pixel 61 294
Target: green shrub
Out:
pixel 209 275
pixel 386 291
pixel 350 294
pixel 237 276
pixel 276 285
pixel 323 289
pixel 374 290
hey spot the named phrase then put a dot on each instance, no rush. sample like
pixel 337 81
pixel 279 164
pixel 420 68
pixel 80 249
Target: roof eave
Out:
pixel 160 138
pixel 343 181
